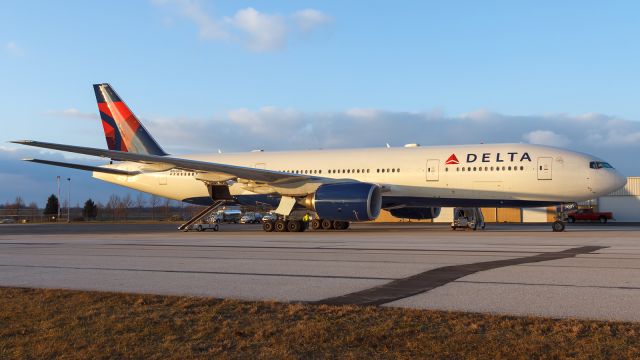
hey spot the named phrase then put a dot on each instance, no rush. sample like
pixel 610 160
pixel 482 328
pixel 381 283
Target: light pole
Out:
pixel 69 201
pixel 58 218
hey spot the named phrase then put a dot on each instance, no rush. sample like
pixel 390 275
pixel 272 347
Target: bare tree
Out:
pixel 112 205
pixel 19 204
pixel 167 207
pixel 100 208
pixel 140 203
pixel 154 202
pixel 125 204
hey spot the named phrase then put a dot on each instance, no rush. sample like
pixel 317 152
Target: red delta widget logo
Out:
pixel 489 157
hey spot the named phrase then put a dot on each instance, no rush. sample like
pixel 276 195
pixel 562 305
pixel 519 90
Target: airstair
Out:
pixel 216 204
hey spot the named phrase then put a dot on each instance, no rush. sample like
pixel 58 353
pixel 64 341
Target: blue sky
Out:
pixel 238 75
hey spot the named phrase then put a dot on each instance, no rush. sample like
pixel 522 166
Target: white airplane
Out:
pixel 341 186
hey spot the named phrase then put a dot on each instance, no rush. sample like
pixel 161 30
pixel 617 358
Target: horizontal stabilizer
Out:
pixel 84 167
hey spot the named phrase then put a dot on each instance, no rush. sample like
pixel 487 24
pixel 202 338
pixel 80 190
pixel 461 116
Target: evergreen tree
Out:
pixel 90 210
pixel 52 206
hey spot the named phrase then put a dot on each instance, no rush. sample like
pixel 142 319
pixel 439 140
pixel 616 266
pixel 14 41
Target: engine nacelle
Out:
pixel 346 201
pixel 417 213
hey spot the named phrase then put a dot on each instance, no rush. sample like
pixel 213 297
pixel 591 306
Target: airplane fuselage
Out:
pixel 502 175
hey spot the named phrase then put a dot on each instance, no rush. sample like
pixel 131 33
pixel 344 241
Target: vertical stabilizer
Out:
pixel 123 130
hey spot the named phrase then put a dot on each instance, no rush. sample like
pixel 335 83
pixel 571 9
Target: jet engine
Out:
pixel 346 201
pixel 418 213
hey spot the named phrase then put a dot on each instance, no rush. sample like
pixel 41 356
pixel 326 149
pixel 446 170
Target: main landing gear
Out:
pixel 282 225
pixel 325 224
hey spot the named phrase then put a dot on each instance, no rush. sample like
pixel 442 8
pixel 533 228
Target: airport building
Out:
pixel 623 203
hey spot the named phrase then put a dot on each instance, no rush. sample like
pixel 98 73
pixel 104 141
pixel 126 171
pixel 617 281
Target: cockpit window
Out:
pixel 600 165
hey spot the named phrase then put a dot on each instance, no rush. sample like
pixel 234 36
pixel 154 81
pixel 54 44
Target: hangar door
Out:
pixel 432 170
pixel 544 168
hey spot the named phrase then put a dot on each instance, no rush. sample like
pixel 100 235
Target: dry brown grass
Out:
pixel 75 324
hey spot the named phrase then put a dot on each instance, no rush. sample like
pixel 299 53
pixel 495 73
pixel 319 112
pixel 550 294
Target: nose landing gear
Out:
pixel 558 226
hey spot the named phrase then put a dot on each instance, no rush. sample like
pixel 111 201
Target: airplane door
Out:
pixel 433 169
pixel 544 168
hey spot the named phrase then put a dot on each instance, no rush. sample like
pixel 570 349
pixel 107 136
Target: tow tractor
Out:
pixel 467 218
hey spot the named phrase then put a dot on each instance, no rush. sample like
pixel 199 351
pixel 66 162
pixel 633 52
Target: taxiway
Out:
pixel 590 271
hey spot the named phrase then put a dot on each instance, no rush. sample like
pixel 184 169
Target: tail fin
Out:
pixel 123 130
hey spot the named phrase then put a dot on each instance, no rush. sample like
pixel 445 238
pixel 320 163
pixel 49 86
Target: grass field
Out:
pixel 76 324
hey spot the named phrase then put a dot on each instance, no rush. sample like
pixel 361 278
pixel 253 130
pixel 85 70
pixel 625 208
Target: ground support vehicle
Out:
pixel 467 218
pixel 203 227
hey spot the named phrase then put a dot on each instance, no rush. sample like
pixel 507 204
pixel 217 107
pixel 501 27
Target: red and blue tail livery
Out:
pixel 123 130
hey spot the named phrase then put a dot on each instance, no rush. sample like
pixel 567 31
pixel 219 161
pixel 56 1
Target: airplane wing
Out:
pixel 258 175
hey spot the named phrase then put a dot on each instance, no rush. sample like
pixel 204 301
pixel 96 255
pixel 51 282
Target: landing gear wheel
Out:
pixel 337 225
pixel 268 226
pixel 327 224
pixel 345 225
pixel 281 226
pixel 294 226
pixel 316 224
pixel 557 226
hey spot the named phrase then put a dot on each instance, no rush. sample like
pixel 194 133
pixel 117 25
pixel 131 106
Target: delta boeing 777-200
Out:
pixel 342 186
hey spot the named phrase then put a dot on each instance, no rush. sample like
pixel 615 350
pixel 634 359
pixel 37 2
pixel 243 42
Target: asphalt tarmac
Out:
pixel 589 271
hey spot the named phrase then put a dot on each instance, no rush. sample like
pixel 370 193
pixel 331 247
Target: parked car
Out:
pixel 251 218
pixel 269 217
pixel 7 221
pixel 589 215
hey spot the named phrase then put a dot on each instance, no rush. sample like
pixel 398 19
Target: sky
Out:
pixel 276 75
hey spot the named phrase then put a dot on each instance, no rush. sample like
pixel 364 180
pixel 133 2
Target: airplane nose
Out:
pixel 620 180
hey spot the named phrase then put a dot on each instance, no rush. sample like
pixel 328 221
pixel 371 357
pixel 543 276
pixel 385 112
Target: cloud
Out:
pixel 546 137
pixel 13 49
pixel 309 19
pixel 263 32
pixel 73 113
pixel 255 30
pixel 273 128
